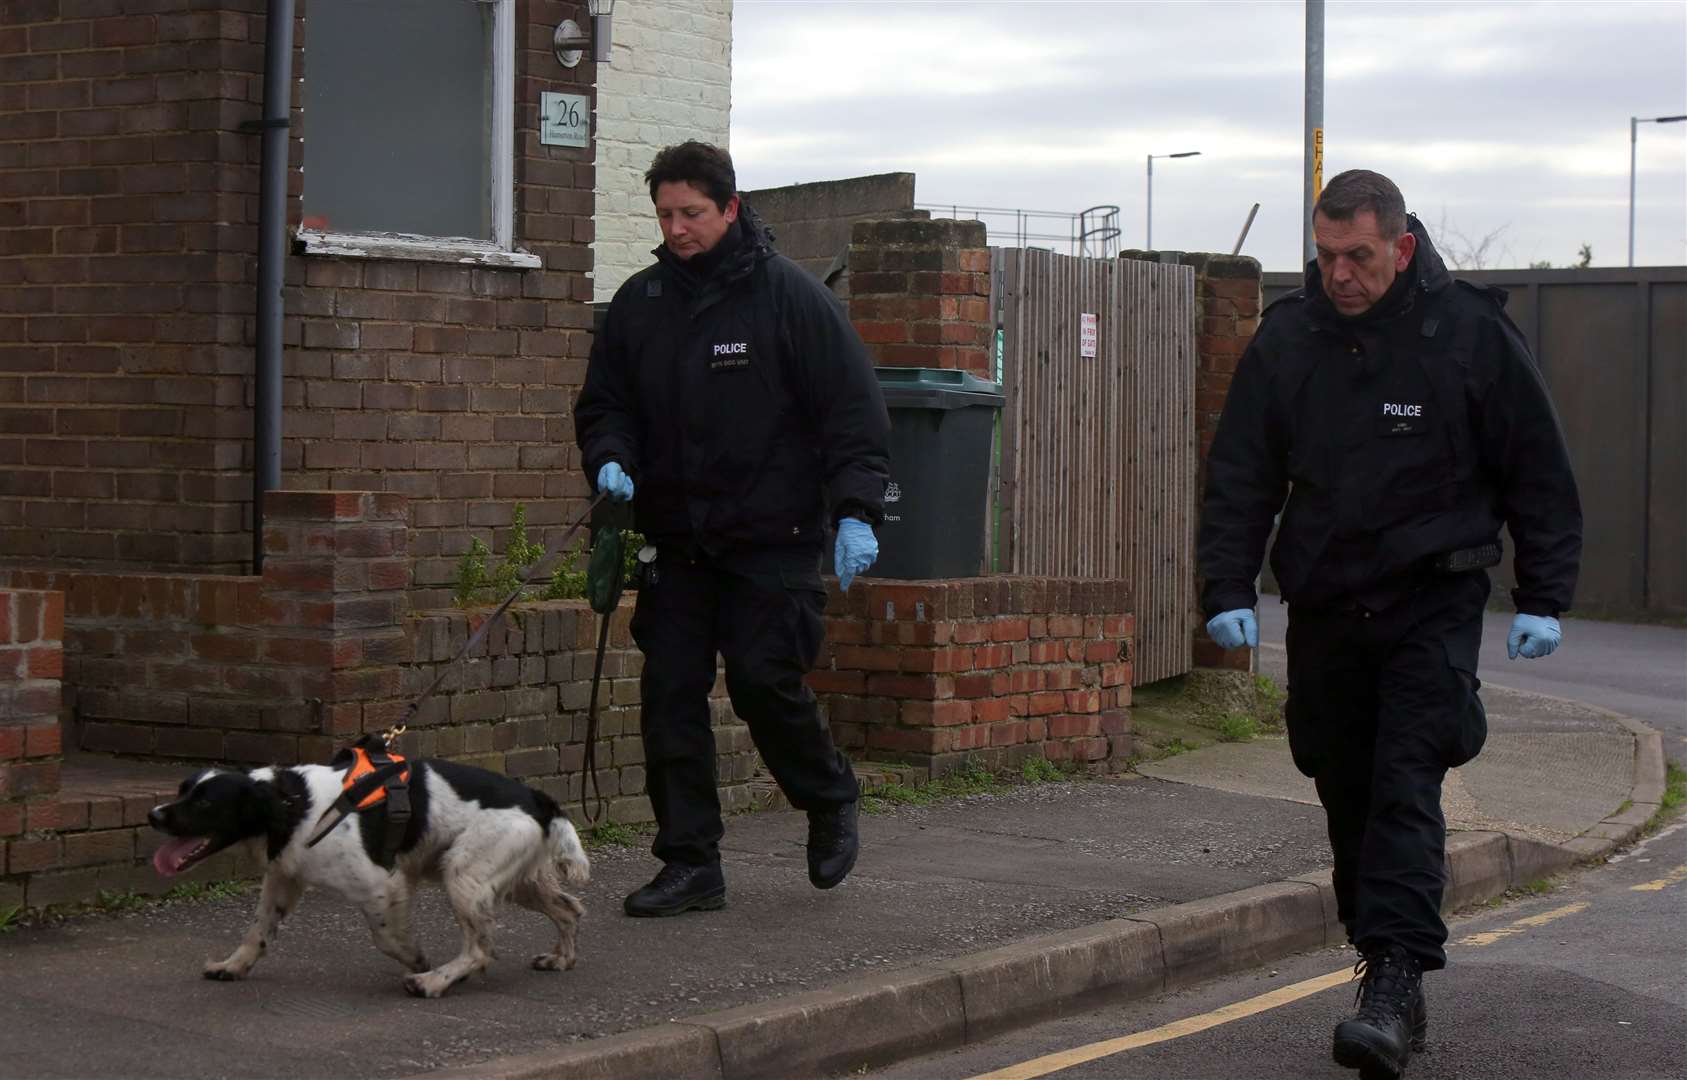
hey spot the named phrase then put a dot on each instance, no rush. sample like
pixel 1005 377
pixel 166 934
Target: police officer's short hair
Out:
pixel 1357 190
pixel 706 168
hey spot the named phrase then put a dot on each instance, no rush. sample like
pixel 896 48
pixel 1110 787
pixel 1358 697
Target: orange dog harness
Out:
pixel 361 766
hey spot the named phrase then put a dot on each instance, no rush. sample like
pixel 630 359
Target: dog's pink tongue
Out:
pixel 168 860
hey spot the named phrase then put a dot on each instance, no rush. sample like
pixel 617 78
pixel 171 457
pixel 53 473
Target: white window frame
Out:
pixel 501 249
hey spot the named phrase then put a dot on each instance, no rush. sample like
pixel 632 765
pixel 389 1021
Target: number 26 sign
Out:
pixel 565 119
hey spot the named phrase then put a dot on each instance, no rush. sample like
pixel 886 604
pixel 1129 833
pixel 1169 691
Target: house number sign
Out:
pixel 565 119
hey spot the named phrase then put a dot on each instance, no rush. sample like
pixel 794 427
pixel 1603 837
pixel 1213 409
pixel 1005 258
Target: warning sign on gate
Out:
pixel 1086 335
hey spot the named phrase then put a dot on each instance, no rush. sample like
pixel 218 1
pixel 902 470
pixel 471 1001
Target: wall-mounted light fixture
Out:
pixel 569 40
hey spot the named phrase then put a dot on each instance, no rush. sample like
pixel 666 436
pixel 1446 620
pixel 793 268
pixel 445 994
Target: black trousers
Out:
pixel 1381 704
pixel 761 611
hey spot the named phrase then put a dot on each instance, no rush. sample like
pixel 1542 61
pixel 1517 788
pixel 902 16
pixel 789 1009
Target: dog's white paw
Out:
pixel 223 971
pixel 552 962
pixel 426 985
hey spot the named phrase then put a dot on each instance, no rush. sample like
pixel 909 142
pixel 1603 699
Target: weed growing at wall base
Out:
pixel 1234 727
pixel 611 835
pixel 972 778
pixel 1040 770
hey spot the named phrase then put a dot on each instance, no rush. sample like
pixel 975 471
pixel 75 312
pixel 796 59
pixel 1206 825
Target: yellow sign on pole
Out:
pixel 1317 164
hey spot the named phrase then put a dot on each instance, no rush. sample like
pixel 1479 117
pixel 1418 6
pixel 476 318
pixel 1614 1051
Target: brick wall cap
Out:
pixel 935 232
pixel 1206 263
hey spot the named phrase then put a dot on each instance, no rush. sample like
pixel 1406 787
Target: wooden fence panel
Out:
pixel 1098 454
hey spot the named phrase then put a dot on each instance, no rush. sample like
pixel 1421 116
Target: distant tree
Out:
pixel 1461 252
pixel 1584 259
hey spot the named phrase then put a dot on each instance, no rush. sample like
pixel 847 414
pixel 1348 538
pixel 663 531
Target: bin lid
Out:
pixel 936 388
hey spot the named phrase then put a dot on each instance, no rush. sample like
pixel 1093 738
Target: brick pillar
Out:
pixel 336 566
pixel 920 293
pixel 31 665
pixel 1227 300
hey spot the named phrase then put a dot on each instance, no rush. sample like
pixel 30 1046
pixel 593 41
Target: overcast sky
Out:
pixel 1492 117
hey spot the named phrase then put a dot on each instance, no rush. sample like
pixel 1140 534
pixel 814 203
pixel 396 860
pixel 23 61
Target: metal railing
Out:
pixel 1093 232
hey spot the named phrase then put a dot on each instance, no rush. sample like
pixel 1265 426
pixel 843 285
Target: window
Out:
pixel 409 129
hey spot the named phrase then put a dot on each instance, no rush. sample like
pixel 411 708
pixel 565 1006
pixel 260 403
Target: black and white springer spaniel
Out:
pixel 485 837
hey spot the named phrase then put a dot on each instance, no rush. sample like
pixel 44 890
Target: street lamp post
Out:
pixel 1148 241
pixel 1634 123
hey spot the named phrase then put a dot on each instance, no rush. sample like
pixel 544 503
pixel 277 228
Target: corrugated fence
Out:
pixel 1098 455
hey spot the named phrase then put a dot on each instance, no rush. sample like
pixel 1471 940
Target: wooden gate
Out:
pixel 1098 455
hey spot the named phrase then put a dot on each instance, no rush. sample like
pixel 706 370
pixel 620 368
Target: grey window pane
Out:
pixel 397 117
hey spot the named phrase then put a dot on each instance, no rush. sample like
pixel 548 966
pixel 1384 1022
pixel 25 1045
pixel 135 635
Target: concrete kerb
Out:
pixel 875 1020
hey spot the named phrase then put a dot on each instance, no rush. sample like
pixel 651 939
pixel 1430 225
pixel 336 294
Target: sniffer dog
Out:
pixel 485 837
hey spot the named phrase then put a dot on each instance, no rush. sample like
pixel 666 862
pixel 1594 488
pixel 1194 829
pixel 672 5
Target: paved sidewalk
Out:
pixel 962 918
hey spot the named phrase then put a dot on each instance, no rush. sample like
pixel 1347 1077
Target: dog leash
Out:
pixel 389 774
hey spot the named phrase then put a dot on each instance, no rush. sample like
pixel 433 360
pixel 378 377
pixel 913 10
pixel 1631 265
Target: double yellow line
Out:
pixel 1177 1029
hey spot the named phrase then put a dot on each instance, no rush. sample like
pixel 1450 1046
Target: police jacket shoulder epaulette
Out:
pixel 1494 294
pixel 1285 301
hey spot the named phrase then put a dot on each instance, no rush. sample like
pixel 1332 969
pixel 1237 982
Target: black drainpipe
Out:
pixel 272 253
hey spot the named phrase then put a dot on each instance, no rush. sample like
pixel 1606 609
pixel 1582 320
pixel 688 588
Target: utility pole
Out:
pixel 1314 158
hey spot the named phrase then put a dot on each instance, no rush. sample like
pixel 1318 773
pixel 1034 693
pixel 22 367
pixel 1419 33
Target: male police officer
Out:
pixel 1403 417
pixel 729 386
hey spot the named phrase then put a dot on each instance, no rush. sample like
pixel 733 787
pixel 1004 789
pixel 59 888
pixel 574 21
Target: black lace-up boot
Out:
pixel 833 843
pixel 678 888
pixel 1392 1020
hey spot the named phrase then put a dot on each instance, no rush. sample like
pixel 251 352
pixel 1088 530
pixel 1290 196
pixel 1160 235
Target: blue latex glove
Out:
pixel 1532 636
pixel 1235 628
pixel 614 479
pixel 857 548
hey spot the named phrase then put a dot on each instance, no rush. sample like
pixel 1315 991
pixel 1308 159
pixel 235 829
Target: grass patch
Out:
pixel 118 901
pixel 972 778
pixel 194 891
pixel 611 835
pixel 1537 887
pixel 1040 770
pixel 1188 712
pixel 110 902
pixel 1175 747
pixel 1235 727
pixel 1675 790
pixel 1268 703
pixel 1675 797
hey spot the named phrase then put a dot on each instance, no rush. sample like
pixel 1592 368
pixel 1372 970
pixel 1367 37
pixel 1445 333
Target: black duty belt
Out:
pixel 1465 559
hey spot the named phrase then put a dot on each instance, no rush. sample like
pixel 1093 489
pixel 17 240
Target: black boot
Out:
pixel 833 843
pixel 678 888
pixel 1392 1020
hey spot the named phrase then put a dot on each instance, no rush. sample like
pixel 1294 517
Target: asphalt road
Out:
pixel 1639 671
pixel 1587 980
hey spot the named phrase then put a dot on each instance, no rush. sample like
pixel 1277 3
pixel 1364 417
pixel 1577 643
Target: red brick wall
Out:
pixel 127 247
pixel 322 648
pixel 998 669
pixel 920 293
pixel 31 663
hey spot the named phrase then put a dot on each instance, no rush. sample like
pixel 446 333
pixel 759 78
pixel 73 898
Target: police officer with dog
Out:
pixel 728 390
pixel 1396 419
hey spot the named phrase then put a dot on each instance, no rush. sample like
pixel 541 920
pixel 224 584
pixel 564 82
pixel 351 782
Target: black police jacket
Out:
pixel 1416 429
pixel 734 391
